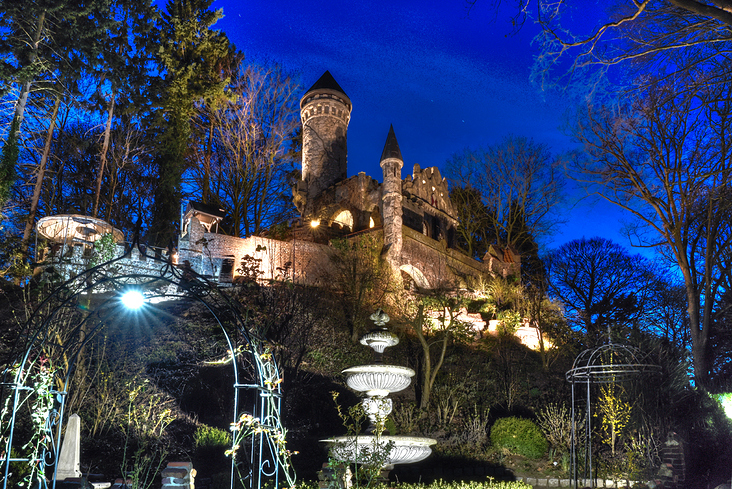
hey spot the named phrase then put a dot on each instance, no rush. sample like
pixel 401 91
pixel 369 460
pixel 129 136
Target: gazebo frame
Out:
pixel 606 364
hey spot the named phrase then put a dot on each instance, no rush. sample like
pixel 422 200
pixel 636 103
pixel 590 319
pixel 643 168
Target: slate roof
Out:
pixel 326 81
pixel 391 148
pixel 211 210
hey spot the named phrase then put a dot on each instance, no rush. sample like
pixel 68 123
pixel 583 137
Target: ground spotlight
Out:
pixel 133 299
pixel 725 401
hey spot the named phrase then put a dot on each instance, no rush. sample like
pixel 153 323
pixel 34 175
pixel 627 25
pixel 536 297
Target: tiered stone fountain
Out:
pixel 377 381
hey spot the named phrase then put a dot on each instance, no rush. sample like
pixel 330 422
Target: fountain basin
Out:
pixel 357 449
pixel 378 380
pixel 379 340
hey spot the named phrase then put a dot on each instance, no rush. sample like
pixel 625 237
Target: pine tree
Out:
pixel 7 163
pixel 47 47
pixel 122 73
pixel 190 58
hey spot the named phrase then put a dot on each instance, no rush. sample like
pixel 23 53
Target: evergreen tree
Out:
pixel 189 57
pixel 7 163
pixel 39 38
pixel 123 72
pixel 47 47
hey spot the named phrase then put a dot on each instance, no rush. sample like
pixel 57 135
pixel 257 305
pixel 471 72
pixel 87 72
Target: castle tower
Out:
pixel 391 199
pixel 325 111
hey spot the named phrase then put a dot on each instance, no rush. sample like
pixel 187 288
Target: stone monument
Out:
pixel 69 460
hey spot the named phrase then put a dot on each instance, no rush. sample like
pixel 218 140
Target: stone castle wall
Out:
pixel 429 186
pixel 441 266
pixel 207 252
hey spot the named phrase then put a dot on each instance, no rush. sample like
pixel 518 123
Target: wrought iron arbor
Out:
pixel 606 364
pixel 78 310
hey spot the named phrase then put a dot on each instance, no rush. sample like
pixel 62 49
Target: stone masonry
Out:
pixel 179 475
pixel 413 218
pixel 325 111
pixel 391 164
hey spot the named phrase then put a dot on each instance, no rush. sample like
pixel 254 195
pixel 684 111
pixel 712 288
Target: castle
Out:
pixel 413 218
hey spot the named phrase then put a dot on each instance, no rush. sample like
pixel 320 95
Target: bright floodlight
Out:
pixel 726 401
pixel 133 299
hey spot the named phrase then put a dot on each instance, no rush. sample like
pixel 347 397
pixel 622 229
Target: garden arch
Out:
pixel 79 309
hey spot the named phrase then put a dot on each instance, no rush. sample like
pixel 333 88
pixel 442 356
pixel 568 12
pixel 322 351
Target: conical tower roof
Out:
pixel 391 148
pixel 326 82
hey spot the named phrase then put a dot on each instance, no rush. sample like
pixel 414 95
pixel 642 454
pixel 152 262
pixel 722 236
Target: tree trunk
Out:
pixel 39 178
pixel 206 183
pixel 699 331
pixel 429 371
pixel 25 90
pixel 103 155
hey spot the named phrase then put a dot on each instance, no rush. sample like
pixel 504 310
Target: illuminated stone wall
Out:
pixel 206 253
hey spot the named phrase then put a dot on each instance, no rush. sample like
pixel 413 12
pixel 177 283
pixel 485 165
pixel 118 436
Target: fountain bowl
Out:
pixel 406 449
pixel 378 380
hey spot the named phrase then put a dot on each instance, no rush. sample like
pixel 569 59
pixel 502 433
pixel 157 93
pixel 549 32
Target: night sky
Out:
pixel 445 78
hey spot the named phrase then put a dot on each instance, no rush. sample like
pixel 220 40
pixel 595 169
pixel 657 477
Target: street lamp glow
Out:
pixel 133 299
pixel 314 223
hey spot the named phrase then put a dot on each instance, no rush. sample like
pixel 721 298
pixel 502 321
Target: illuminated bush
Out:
pixel 520 436
pixel 210 437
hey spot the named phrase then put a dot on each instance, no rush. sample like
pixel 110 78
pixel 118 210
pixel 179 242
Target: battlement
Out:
pixel 431 188
pixel 325 104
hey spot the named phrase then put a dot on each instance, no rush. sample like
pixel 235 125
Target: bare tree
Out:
pixel 666 158
pixel 690 32
pixel 669 319
pixel 361 278
pixel 519 184
pixel 251 138
pixel 600 284
pixel 435 321
pixel 474 233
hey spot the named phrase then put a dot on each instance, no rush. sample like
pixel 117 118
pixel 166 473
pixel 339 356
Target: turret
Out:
pixel 391 199
pixel 325 111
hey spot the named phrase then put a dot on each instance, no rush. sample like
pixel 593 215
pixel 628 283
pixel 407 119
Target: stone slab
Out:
pixel 69 461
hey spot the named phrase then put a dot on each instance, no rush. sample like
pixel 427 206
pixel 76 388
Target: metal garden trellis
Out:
pixel 610 363
pixel 105 283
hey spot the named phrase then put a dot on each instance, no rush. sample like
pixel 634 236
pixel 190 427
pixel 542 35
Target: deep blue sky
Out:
pixel 443 78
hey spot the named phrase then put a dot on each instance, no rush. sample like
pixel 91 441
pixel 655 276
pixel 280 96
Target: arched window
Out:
pixel 345 219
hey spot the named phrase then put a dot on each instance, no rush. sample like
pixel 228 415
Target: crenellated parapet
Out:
pixel 326 103
pixel 429 186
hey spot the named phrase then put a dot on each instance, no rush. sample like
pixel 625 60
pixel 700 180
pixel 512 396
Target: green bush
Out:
pixel 520 436
pixel 208 436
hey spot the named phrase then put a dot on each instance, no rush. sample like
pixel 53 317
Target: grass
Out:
pixel 490 483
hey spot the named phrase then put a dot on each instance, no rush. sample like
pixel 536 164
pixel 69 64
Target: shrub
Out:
pixel 208 436
pixel 520 436
pixel 555 421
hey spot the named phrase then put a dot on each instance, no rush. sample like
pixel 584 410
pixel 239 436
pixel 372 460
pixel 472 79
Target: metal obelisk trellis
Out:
pixel 610 363
pixel 254 369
